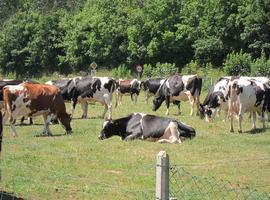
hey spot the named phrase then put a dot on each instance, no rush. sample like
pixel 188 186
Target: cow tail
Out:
pixel 198 90
pixel 1 130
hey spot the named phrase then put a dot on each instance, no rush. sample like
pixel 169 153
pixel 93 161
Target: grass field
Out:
pixel 79 166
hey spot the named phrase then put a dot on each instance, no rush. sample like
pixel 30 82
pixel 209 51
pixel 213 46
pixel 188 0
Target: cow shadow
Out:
pixel 48 136
pixel 25 124
pixel 95 117
pixel 257 131
pixel 8 196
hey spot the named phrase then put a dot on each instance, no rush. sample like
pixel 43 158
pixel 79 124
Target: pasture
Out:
pixel 79 166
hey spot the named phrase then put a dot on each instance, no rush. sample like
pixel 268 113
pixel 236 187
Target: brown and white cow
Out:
pixel 29 99
pixel 127 87
pixel 247 95
pixel 179 88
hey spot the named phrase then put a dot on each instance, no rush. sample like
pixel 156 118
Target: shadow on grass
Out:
pixel 8 196
pixel 56 135
pixel 79 118
pixel 25 124
pixel 256 131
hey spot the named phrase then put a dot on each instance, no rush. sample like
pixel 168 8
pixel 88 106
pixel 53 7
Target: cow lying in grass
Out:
pixel 147 127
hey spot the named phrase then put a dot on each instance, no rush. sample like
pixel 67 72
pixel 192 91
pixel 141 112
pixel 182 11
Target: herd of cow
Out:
pixel 234 95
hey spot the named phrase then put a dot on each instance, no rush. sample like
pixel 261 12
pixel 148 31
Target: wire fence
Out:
pixel 187 185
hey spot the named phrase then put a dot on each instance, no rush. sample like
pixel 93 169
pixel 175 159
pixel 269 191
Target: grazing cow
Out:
pixel 29 99
pixel 147 127
pixel 127 87
pixel 215 99
pixel 246 95
pixel 179 88
pixel 6 82
pixel 151 88
pixel 84 89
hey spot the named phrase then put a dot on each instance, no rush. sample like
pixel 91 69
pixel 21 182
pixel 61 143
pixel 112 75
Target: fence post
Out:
pixel 162 176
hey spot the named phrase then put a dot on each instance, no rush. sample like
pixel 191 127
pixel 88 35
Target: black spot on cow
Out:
pixel 96 85
pixel 110 86
pixel 13 107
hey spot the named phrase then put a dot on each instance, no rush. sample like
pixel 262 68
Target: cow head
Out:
pixel 158 100
pixel 206 112
pixel 110 129
pixel 65 120
pixel 162 93
pixel 186 130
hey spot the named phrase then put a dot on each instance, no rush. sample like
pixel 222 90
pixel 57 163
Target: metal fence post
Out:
pixel 162 176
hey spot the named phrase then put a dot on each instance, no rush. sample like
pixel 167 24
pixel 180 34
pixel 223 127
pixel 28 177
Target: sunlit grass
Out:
pixel 79 166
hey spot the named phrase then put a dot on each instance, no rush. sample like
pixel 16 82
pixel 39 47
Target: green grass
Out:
pixel 79 166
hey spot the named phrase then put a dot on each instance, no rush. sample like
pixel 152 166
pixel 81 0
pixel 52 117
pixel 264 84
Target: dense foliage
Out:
pixel 65 36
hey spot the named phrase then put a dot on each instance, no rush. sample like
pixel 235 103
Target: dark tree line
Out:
pixel 45 36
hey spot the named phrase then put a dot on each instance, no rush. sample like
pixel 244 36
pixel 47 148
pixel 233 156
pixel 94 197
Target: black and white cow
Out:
pixel 247 95
pixel 130 88
pixel 147 127
pixel 85 89
pixel 151 88
pixel 215 99
pixel 179 88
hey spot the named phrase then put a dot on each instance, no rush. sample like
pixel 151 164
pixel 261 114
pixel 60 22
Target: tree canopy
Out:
pixel 39 37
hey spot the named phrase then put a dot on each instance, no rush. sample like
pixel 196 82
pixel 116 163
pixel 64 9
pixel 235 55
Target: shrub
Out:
pixel 261 66
pixel 164 70
pixel 121 72
pixel 209 50
pixel 190 68
pixel 147 71
pixel 237 64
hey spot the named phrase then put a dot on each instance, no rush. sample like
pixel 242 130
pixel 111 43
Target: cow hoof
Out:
pixel 239 131
pixel 231 130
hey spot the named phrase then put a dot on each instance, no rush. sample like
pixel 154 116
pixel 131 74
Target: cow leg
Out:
pixel 263 120
pixel 31 121
pixel 84 106
pixel 73 104
pixel 231 122
pixel 167 101
pixel 13 128
pixel 116 98
pixel 240 119
pixel 192 103
pixel 253 120
pixel 135 99
pixel 173 133
pixel 107 106
pixel 6 115
pixel 22 120
pixel 179 108
pixel 147 97
pixel 47 119
pixel 131 137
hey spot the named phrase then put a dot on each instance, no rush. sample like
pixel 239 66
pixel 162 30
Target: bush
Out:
pixel 190 68
pixel 237 64
pixel 121 72
pixel 209 50
pixel 147 71
pixel 164 70
pixel 261 66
